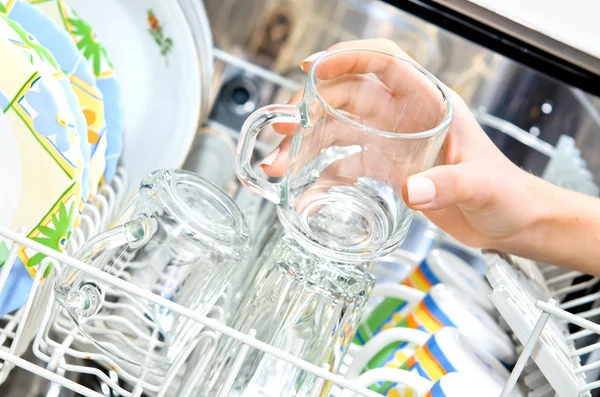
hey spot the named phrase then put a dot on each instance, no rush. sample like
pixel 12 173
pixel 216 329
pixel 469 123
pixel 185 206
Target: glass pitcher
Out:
pixel 179 237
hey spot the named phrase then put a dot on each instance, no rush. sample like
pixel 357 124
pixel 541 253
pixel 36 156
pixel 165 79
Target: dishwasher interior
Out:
pixel 536 120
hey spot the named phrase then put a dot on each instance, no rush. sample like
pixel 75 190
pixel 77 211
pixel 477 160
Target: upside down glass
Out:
pixel 179 237
pixel 300 303
pixel 367 121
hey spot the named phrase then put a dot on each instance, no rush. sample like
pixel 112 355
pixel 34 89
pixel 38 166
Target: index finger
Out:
pixel 384 45
pixel 399 74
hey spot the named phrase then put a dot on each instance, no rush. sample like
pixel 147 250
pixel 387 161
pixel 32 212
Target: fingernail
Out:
pixel 421 190
pixel 311 58
pixel 268 161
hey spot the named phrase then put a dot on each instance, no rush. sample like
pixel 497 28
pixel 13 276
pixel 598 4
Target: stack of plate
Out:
pixel 70 114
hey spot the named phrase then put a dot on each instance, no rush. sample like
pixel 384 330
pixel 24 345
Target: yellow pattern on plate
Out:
pixel 42 173
pixel 89 96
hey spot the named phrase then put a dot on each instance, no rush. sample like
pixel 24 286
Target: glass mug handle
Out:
pixel 85 300
pixel 271 114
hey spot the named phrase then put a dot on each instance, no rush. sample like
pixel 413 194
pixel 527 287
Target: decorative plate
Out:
pixel 153 49
pixel 72 63
pixel 89 95
pixel 93 50
pixel 40 157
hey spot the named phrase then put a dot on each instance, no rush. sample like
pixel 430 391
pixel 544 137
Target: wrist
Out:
pixel 536 211
pixel 562 227
pixel 541 203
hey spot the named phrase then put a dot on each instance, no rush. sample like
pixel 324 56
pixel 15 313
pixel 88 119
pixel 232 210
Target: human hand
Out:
pixel 474 192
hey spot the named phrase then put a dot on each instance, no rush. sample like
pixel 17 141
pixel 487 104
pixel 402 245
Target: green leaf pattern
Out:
pixel 55 236
pixel 45 56
pixel 3 253
pixel 87 43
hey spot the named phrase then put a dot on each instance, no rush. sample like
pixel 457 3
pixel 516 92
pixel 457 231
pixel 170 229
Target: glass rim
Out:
pixel 437 130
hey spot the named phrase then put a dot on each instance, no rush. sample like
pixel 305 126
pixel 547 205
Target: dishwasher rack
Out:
pixel 42 326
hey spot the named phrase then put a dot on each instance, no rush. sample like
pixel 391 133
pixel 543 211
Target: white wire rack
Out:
pixel 60 345
pixel 554 333
pixel 42 326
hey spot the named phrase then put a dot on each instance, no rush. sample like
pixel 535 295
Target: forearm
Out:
pixel 564 230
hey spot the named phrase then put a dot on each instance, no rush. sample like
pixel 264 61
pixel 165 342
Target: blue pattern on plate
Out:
pixel 80 128
pixel 113 113
pixel 3 102
pixel 16 289
pixel 45 123
pixel 70 60
pixel 83 69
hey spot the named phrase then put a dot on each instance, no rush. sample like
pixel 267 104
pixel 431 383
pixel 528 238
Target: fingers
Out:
pixel 400 76
pixel 373 104
pixel 379 44
pixel 351 93
pixel 444 186
pixel 382 157
pixel 343 84
pixel 384 45
pixel 286 128
pixel 403 100
pixel 276 162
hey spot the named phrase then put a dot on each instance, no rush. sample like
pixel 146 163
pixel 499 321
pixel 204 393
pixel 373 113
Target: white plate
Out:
pixel 161 93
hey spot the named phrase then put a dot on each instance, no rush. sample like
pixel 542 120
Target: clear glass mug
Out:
pixel 367 121
pixel 300 303
pixel 179 237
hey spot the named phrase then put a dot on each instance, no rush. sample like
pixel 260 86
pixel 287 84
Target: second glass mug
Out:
pixel 367 121
pixel 179 237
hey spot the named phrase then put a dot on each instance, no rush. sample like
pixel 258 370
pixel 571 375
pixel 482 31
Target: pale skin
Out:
pixel 477 195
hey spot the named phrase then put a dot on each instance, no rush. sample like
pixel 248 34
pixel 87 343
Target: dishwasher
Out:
pixel 213 63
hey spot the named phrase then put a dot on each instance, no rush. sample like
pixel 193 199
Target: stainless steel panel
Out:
pixel 506 24
pixel 279 34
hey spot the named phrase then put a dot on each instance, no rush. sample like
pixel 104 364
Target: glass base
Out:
pixel 345 227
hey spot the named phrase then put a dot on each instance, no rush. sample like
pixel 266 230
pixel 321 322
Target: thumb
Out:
pixel 443 186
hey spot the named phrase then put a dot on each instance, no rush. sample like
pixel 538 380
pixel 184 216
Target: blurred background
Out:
pixel 278 34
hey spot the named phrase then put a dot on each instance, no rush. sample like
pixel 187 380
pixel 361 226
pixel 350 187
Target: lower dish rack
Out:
pixel 542 320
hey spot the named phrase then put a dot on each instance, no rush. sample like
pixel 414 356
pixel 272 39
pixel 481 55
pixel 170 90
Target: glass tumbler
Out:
pixel 367 121
pixel 179 237
pixel 299 303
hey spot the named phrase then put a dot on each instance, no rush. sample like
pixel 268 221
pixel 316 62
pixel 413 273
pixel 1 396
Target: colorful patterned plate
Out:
pixel 84 85
pixel 72 63
pixel 40 158
pixel 85 38
pixel 153 49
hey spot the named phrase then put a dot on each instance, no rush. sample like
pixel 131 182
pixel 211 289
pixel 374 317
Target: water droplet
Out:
pixel 547 107
pixel 535 131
